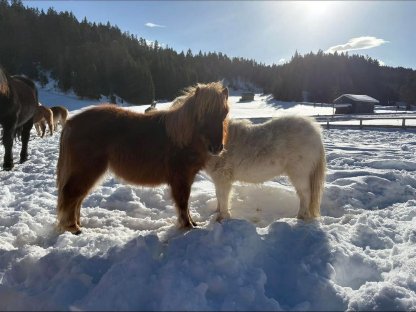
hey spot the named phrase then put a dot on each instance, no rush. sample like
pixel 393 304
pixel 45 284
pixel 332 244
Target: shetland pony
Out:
pixel 60 115
pixel 43 116
pixel 165 146
pixel 254 153
pixel 18 101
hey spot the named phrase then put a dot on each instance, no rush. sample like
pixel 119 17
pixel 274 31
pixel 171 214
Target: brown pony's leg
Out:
pixel 37 127
pixel 75 190
pixel 43 128
pixel 49 121
pixel 25 139
pixel 50 126
pixel 181 189
pixel 78 213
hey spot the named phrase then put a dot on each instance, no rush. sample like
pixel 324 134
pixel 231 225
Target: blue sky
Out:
pixel 267 31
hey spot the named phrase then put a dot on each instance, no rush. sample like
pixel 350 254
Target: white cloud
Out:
pixel 381 63
pixel 359 43
pixel 281 61
pixel 153 25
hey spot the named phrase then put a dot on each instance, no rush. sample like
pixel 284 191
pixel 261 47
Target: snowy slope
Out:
pixel 360 255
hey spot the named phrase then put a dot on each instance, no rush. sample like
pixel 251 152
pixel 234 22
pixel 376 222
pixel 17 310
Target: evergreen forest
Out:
pixel 100 59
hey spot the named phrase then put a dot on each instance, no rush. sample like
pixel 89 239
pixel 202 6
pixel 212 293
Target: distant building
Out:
pixel 247 97
pixel 354 104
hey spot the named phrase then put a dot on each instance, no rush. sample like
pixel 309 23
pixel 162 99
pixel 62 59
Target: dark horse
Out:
pixel 18 101
pixel 165 146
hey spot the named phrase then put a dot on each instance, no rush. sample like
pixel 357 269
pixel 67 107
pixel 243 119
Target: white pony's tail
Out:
pixel 317 181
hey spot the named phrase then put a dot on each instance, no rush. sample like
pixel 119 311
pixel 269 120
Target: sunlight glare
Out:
pixel 314 8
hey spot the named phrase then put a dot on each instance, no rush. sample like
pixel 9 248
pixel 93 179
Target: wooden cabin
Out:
pixel 354 104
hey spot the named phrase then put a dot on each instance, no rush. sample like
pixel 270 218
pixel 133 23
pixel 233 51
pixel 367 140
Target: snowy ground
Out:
pixel 360 255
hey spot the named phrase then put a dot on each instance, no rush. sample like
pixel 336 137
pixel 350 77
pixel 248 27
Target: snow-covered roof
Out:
pixel 359 98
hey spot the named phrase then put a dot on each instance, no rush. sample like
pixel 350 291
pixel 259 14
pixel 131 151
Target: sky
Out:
pixel 267 31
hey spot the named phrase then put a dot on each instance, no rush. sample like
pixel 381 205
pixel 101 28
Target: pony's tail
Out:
pixel 63 169
pixel 316 181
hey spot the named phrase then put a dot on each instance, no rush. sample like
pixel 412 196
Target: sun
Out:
pixel 315 8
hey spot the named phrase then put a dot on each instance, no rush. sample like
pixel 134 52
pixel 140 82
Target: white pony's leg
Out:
pixel 223 190
pixel 301 184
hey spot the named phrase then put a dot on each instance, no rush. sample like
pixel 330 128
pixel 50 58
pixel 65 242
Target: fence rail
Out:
pixel 331 122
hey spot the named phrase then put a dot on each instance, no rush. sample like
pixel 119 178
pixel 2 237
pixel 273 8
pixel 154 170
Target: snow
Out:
pixel 359 98
pixel 360 255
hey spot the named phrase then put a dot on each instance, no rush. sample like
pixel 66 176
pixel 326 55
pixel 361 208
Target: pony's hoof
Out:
pixel 74 229
pixel 8 167
pixel 23 159
pixel 186 227
pixel 305 218
pixel 221 217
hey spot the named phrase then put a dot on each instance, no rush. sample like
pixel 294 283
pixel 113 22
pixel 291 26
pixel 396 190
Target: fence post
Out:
pixel 327 123
pixel 404 123
pixel 361 123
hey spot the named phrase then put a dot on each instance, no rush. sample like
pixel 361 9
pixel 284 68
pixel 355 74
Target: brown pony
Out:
pixel 165 146
pixel 60 114
pixel 43 115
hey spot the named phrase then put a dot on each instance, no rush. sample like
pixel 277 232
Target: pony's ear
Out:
pixel 225 92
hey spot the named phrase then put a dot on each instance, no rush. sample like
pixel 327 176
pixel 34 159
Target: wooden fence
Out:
pixel 330 121
pixel 356 122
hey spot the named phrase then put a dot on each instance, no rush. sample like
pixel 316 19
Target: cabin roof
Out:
pixel 358 98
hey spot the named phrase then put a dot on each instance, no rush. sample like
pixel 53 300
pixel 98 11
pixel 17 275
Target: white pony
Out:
pixel 254 153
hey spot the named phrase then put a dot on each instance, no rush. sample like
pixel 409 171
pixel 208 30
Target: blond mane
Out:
pixel 190 108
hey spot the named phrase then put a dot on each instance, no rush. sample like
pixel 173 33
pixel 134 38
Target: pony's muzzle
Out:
pixel 215 150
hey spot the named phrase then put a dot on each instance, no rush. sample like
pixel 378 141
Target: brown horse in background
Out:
pixel 166 146
pixel 43 116
pixel 60 115
pixel 18 101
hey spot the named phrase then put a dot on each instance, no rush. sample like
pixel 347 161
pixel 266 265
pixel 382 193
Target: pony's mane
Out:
pixel 189 109
pixel 238 127
pixel 4 83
